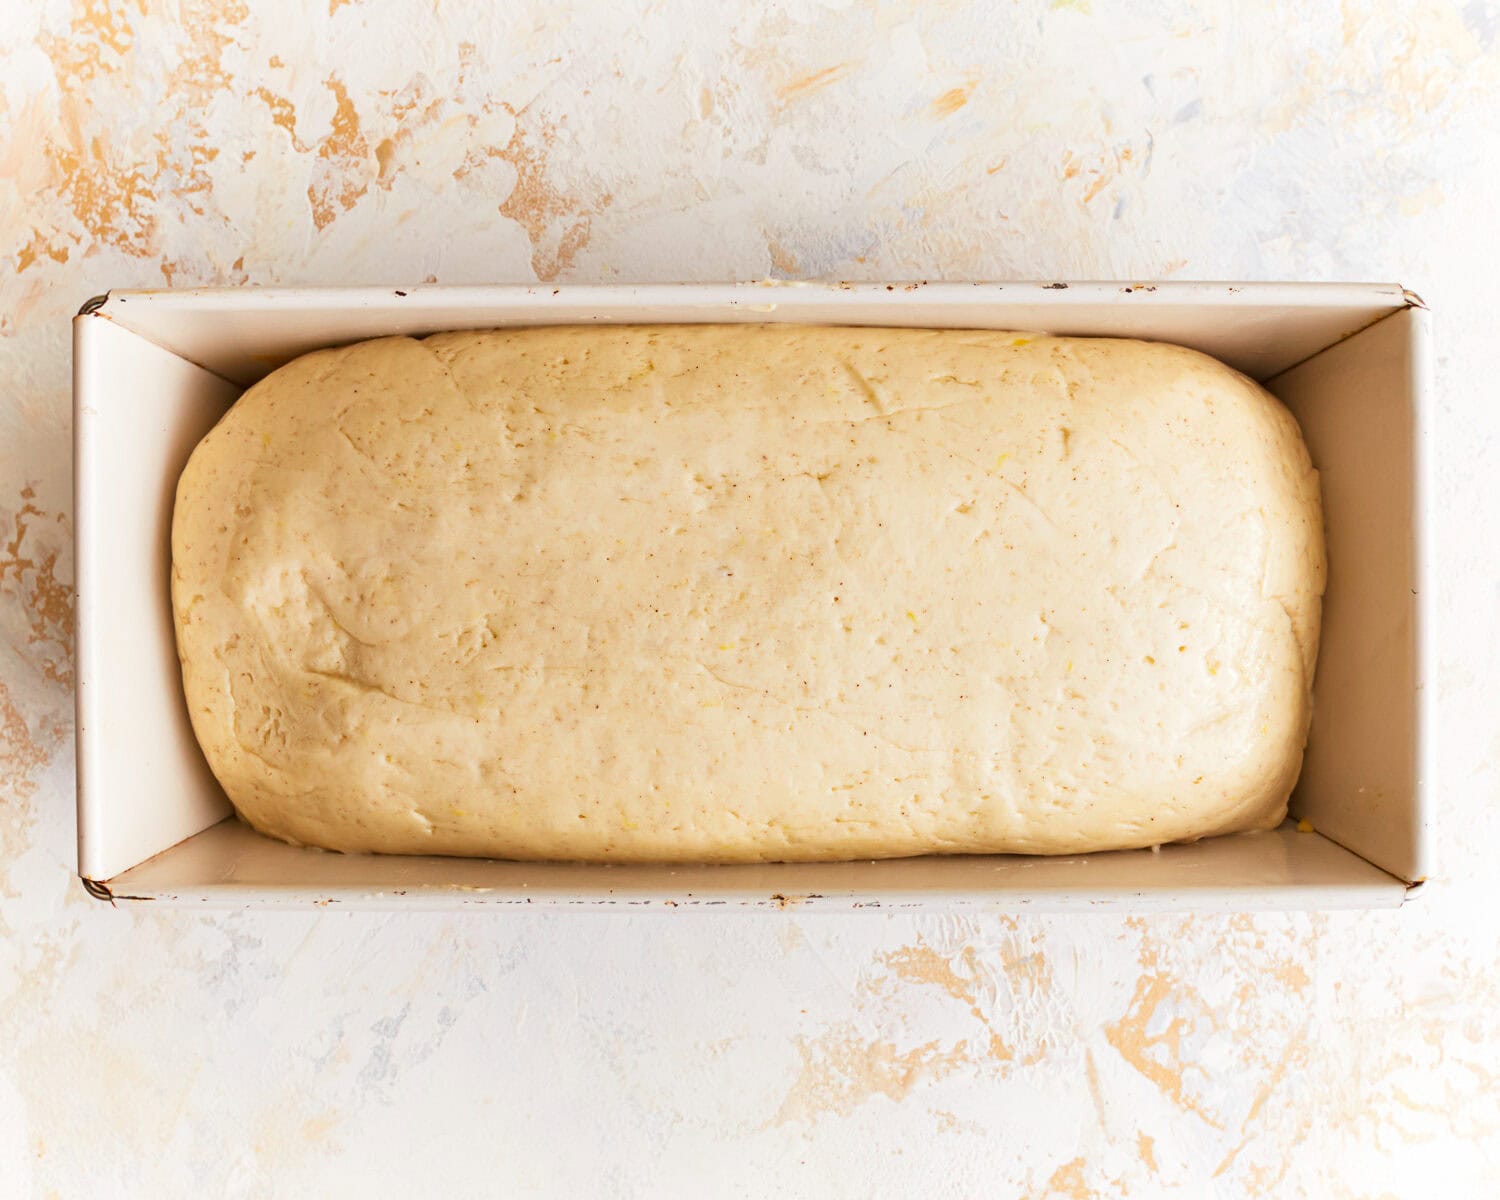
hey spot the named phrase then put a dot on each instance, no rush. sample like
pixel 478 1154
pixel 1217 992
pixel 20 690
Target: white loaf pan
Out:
pixel 154 370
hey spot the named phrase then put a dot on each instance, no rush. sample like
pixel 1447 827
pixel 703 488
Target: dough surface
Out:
pixel 747 593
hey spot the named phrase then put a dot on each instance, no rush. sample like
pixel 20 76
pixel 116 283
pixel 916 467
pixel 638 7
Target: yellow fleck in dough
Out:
pixel 502 594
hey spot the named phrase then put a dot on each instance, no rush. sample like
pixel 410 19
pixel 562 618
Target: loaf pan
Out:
pixel 153 371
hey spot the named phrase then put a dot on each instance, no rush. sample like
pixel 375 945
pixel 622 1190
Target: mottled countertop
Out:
pixel 337 1054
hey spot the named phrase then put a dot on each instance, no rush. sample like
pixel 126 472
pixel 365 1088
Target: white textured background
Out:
pixel 152 1053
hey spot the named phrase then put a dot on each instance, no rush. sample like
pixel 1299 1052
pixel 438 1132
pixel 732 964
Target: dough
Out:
pixel 749 593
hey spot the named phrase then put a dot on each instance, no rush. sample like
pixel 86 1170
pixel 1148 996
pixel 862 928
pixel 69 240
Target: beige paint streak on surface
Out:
pixel 1294 1057
pixel 1150 1037
pixel 414 112
pixel 37 577
pixel 806 85
pixel 950 102
pixel 783 261
pixel 342 174
pixel 283 113
pixel 39 247
pixel 112 186
pixel 21 753
pixel 100 35
pixel 1068 1182
pixel 921 964
pixel 557 224
pixel 112 201
pixel 24 753
pixel 208 29
pixel 1100 170
pixel 998 981
pixel 295 1130
pixel 838 1075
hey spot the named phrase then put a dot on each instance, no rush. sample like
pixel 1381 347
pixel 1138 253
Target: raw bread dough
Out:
pixel 743 593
